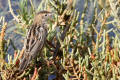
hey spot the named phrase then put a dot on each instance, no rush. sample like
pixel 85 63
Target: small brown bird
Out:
pixel 36 38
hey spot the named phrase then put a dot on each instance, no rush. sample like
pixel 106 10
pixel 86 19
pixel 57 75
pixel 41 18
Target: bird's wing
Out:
pixel 34 43
pixel 35 40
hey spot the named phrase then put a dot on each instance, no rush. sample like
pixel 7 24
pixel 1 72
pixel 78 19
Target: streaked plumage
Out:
pixel 36 38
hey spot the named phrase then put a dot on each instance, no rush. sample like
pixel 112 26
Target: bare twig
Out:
pixel 11 11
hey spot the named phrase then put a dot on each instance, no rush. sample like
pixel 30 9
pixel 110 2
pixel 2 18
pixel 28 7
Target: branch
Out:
pixel 11 11
pixel 62 38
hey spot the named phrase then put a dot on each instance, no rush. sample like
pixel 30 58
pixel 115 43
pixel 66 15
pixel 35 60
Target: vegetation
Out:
pixel 76 48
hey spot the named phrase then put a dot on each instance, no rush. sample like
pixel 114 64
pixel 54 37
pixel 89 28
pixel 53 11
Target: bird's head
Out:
pixel 42 17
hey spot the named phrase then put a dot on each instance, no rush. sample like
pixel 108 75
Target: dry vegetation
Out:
pixel 75 50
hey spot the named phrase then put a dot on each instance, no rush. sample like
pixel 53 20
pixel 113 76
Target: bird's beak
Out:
pixel 52 17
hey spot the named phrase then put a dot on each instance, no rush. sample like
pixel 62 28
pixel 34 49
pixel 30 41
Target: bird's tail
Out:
pixel 24 63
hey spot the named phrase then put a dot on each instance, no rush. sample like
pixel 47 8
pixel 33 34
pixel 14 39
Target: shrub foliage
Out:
pixel 76 49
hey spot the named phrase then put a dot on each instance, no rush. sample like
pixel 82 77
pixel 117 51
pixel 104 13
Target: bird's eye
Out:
pixel 45 14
